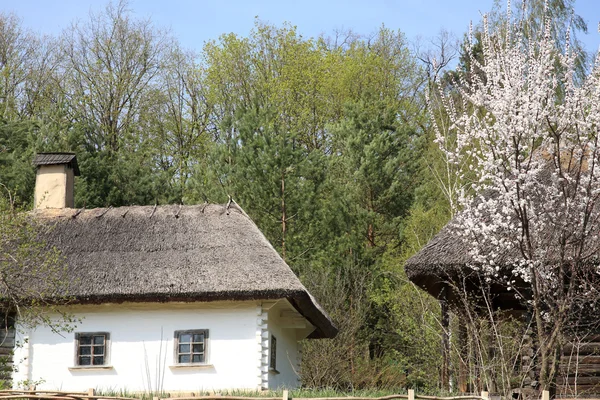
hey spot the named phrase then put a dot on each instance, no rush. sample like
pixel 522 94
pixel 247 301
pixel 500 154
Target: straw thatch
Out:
pixel 445 258
pixel 444 255
pixel 443 267
pixel 439 261
pixel 174 253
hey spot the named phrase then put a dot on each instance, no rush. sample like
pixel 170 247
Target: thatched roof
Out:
pixel 174 253
pixel 446 257
pixel 57 158
pixel 443 263
pixel 440 259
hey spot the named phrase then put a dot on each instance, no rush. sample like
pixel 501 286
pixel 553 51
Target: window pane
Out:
pixel 98 350
pixel 273 358
pixel 85 350
pixel 99 339
pixel 198 358
pixel 98 360
pixel 184 358
pixel 198 348
pixel 184 348
pixel 185 338
pixel 85 360
pixel 199 337
pixel 85 339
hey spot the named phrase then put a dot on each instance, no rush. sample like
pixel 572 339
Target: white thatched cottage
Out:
pixel 180 298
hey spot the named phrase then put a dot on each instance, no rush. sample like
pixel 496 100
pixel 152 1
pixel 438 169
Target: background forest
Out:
pixel 325 142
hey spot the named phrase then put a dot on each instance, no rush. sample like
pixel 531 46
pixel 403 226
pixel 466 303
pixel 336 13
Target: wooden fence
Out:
pixel 91 395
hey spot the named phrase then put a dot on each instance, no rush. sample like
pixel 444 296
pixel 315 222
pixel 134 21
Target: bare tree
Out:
pixel 436 54
pixel 110 63
pixel 17 54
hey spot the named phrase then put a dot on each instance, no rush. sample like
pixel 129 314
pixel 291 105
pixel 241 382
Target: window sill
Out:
pixel 90 367
pixel 274 371
pixel 191 366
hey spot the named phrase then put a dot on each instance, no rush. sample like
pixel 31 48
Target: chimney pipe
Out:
pixel 55 180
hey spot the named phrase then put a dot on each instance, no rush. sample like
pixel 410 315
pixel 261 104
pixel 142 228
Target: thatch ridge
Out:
pixel 173 253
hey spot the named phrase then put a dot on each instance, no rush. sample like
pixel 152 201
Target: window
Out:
pixel 190 346
pixel 273 354
pixel 91 349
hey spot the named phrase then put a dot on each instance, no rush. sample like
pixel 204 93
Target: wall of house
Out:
pixel 141 349
pixel 51 184
pixel 285 326
pixel 70 189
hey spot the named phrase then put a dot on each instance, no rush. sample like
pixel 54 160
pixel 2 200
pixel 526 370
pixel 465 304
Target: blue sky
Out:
pixel 195 21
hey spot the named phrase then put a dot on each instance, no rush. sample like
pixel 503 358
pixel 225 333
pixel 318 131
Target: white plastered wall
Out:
pixel 289 327
pixel 54 186
pixel 141 338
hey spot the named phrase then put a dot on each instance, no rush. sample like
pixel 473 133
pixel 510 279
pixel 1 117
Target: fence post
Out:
pixel 485 395
pixel 411 394
pixel 545 395
pixel 286 395
pixel 91 393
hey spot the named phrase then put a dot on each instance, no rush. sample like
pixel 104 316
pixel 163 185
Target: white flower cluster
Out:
pixel 529 131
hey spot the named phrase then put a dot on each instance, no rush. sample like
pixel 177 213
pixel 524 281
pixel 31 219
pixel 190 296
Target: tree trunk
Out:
pixel 445 339
pixel 462 344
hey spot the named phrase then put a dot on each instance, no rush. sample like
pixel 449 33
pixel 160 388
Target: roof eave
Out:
pixel 301 300
pixel 305 304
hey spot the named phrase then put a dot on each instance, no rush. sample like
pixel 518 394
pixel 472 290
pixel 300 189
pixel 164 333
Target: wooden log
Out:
pixel 418 396
pixel 463 355
pixel 445 322
pixel 590 338
pixel 586 349
pixel 580 369
pixel 7 333
pixel 112 398
pixel 58 395
pixel 35 396
pixel 8 342
pixel 585 359
pixel 40 391
pixel 215 397
pixel 579 390
pixel 580 380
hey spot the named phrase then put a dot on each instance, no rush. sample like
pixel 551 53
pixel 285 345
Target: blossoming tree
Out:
pixel 529 128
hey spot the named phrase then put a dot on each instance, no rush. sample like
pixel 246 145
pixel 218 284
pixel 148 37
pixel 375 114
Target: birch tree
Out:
pixel 530 129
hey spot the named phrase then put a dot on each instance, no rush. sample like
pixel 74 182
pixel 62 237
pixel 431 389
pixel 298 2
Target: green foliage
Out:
pixel 275 178
pixel 33 280
pixel 17 149
pixel 322 145
pixel 378 157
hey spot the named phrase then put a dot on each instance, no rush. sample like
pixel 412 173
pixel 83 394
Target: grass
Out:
pixel 293 393
pixel 309 393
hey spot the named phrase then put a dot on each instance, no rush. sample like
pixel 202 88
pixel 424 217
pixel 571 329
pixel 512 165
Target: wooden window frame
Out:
pixel 191 332
pixel 273 353
pixel 106 354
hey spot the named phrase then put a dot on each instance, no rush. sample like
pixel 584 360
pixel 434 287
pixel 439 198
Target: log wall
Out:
pixel 580 368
